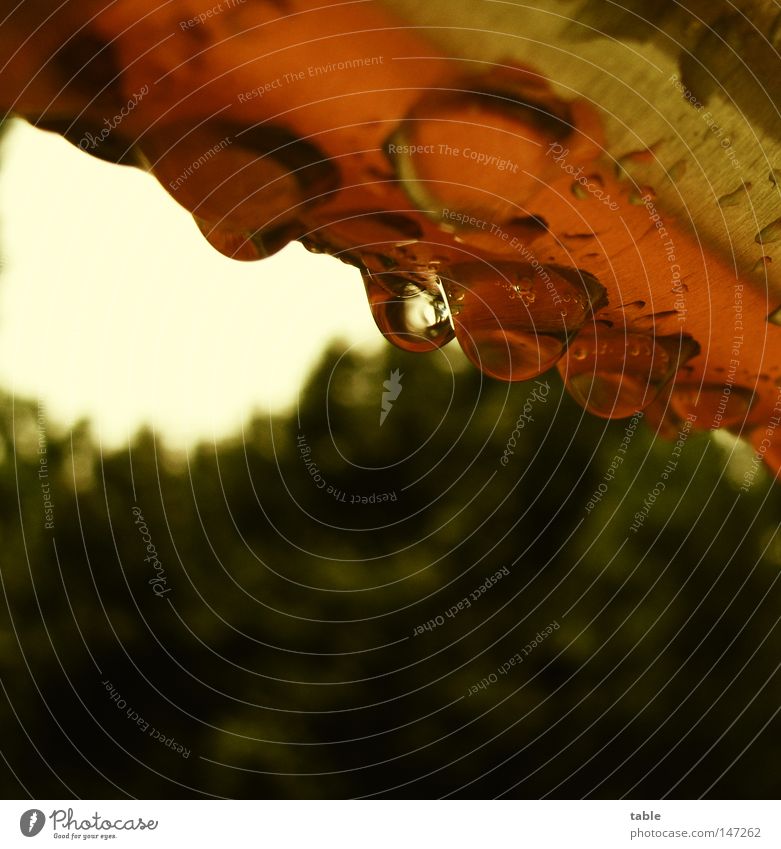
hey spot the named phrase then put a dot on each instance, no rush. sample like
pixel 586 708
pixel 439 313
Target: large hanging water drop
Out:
pixel 514 320
pixel 480 146
pixel 615 373
pixel 411 310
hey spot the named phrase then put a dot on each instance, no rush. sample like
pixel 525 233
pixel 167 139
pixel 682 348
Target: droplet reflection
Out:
pixel 411 310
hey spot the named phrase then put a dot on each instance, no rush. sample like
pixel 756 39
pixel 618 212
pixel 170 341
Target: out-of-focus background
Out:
pixel 336 606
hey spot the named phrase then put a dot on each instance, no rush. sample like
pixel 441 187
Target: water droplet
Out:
pixel 313 245
pixel 516 319
pixel 713 405
pixel 622 372
pixel 762 263
pixel 769 234
pixel 626 313
pixel 635 157
pixel 652 322
pixel 736 197
pixel 511 354
pixel 775 176
pixel 578 236
pixel 641 195
pixel 412 313
pixel 677 170
pixel 578 190
pixel 480 146
pixel 578 187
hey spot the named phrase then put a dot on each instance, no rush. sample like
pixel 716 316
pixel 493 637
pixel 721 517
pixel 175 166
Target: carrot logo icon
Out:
pixel 31 822
pixel 392 388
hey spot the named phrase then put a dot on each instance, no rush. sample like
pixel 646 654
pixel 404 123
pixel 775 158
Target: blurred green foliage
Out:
pixel 283 656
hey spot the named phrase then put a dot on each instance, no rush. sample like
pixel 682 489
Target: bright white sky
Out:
pixel 113 306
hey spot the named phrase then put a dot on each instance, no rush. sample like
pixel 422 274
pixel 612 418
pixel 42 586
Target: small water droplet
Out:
pixel 641 195
pixel 770 233
pixel 578 190
pixel 578 236
pixel 635 157
pixel 313 245
pixel 775 316
pixel 762 263
pixel 412 314
pixel 633 305
pixel 677 170
pixel 650 322
pixel 736 197
pixel 775 176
